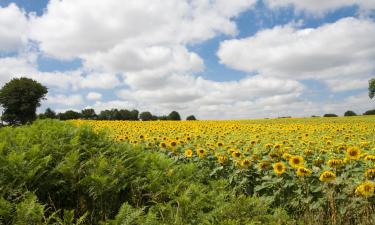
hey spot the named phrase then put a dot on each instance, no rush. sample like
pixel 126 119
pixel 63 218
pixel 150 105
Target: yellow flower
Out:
pixel 370 158
pixel 327 176
pixel 303 172
pixel 296 161
pixel 287 156
pixel 370 173
pixel 172 144
pixel 353 153
pixel 236 154
pixel 366 189
pixel 162 145
pixel 245 163
pixel 318 162
pixel 220 144
pixel 222 159
pixel 335 162
pixel 279 168
pixel 264 165
pixel 201 153
pixel 188 153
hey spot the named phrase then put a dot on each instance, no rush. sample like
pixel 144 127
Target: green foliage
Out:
pixel 191 117
pixel 371 88
pixel 146 116
pixel 55 173
pixel 330 115
pixel 88 114
pixel 48 114
pixel 69 115
pixel 174 116
pixel 20 97
pixel 369 112
pixel 350 113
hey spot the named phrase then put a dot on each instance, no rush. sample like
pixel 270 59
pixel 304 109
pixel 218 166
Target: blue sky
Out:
pixel 214 59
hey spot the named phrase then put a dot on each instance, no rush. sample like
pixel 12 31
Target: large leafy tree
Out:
pixel 174 116
pixel 371 88
pixel 20 97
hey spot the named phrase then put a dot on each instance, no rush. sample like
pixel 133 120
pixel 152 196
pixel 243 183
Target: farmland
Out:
pixel 271 171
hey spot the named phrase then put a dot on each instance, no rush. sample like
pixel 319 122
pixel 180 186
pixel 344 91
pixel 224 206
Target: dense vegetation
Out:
pixel 55 173
pixel 320 170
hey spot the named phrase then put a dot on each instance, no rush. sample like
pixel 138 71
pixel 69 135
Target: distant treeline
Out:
pixel 112 114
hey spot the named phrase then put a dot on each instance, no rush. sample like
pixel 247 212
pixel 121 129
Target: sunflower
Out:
pixel 370 158
pixel 268 146
pixel 303 172
pixel 172 144
pixel 366 189
pixel 353 153
pixel 236 154
pixel 245 163
pixel 318 162
pixel 279 168
pixel 162 145
pixel 287 156
pixel 264 165
pixel 188 153
pixel 220 144
pixel 327 176
pixel 296 161
pixel 335 162
pixel 222 159
pixel 370 173
pixel 201 152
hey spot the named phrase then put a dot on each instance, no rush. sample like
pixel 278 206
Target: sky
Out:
pixel 216 59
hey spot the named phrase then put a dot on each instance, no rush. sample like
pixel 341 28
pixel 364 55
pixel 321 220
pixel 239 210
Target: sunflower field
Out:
pixel 270 171
pixel 321 169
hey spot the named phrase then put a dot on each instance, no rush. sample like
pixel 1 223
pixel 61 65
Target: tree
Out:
pixel 371 88
pixel 145 116
pixel 191 117
pixel 20 97
pixel 350 113
pixel 330 115
pixel 369 112
pixel 48 114
pixel 174 116
pixel 69 115
pixel 134 114
pixel 88 114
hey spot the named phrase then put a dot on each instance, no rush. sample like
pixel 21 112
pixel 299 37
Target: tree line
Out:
pixel 112 114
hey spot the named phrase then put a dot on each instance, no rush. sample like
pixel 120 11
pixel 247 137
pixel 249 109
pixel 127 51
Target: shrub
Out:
pixel 369 112
pixel 330 115
pixel 350 113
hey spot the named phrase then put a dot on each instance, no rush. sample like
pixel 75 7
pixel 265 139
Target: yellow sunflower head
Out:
pixel 279 168
pixel 370 158
pixel 188 153
pixel 264 165
pixel 162 145
pixel 335 163
pixel 296 161
pixel 236 154
pixel 303 172
pixel 201 152
pixel 222 159
pixel 327 176
pixel 245 163
pixel 366 189
pixel 370 173
pixel 353 153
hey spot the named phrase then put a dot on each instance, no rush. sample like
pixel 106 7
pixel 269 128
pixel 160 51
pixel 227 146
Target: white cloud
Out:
pixel 344 50
pixel 13 28
pixel 70 100
pixel 94 96
pixel 321 6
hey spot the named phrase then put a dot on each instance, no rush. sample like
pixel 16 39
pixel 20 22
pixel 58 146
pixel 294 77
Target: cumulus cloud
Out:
pixel 65 100
pixel 94 96
pixel 339 51
pixel 13 28
pixel 319 7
